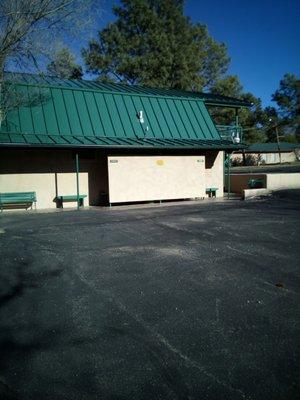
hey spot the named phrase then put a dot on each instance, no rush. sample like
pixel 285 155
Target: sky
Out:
pixel 262 37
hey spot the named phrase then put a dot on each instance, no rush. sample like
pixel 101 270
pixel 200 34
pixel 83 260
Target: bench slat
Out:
pixel 17 196
pixel 16 200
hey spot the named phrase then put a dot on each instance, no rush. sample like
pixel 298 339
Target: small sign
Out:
pixel 160 162
pixel 113 161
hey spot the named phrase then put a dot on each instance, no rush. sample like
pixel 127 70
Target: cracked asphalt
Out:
pixel 188 301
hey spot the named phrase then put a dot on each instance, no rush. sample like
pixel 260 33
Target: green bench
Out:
pixel 255 183
pixel 211 191
pixel 70 198
pixel 17 198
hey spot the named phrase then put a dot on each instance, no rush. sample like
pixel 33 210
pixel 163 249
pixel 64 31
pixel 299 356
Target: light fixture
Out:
pixel 140 117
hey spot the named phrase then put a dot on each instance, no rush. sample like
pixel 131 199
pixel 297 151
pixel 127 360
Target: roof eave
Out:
pixel 222 147
pixel 227 105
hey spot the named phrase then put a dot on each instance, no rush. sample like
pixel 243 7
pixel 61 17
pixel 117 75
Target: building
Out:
pixel 131 143
pixel 268 153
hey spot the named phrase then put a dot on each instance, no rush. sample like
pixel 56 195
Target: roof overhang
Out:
pixel 52 141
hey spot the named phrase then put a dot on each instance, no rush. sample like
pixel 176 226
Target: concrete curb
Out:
pixel 249 194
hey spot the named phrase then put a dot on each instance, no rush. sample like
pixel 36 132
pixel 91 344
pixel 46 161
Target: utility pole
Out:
pixel 77 180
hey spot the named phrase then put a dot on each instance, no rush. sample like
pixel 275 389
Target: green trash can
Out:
pixel 255 183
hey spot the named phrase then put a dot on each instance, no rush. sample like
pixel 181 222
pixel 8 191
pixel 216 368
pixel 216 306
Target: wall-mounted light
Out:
pixel 140 117
pixel 236 139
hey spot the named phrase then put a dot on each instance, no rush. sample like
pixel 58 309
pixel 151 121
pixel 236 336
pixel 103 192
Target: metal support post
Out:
pixel 278 144
pixel 77 179
pixel 228 176
pixel 236 117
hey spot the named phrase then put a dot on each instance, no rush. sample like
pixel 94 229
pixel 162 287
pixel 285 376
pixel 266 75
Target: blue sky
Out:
pixel 262 37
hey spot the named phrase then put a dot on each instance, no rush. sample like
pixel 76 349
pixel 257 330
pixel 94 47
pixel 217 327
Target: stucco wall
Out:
pixel 283 181
pixel 46 186
pixel 185 180
pixel 272 181
pixel 145 178
pixel 50 173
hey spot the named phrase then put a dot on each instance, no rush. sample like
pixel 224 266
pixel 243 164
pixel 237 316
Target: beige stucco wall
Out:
pixel 145 178
pixel 50 173
pixel 283 181
pixel 46 186
pixel 272 181
pixel 139 178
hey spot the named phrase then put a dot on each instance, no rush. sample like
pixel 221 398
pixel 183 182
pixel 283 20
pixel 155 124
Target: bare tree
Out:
pixel 28 28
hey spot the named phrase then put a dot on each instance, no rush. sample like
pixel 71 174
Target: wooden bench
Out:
pixel 70 198
pixel 16 198
pixel 211 191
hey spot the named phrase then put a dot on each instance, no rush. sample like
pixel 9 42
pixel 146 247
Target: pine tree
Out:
pixel 287 98
pixel 152 43
pixel 251 119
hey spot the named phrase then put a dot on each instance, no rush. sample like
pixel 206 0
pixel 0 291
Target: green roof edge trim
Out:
pixel 136 143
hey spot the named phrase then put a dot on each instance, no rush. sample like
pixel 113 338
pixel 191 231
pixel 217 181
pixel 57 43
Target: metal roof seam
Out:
pixel 181 119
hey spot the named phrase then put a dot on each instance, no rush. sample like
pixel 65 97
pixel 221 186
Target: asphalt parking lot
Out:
pixel 192 301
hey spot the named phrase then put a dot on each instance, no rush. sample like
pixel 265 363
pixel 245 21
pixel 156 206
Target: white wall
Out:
pixel 283 181
pixel 145 178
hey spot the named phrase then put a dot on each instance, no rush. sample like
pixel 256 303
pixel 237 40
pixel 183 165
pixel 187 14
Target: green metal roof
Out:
pixel 42 80
pixel 272 147
pixel 81 116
